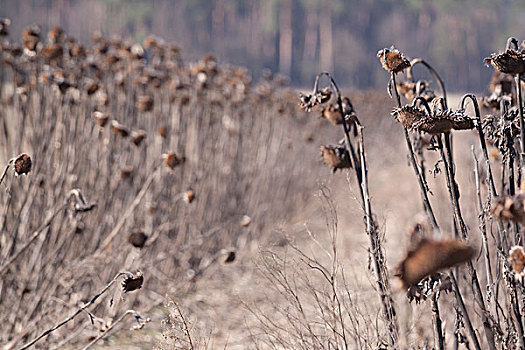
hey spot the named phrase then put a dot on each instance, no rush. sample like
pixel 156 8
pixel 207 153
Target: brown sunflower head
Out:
pixel 119 129
pixel 408 115
pixel 444 121
pixel 462 122
pixel 133 282
pixel 31 37
pixel 125 173
pixel 172 160
pixel 332 114
pixel 137 239
pixel 22 164
pixel 430 256
pixel 392 60
pixel 137 137
pixel 91 88
pixel 510 62
pixel 145 103
pixel 309 101
pixel 56 35
pixel 434 126
pixel 510 208
pixel 4 25
pixel 517 260
pixel 101 118
pixel 162 131
pixel 335 157
pixel 189 196
pixel 230 257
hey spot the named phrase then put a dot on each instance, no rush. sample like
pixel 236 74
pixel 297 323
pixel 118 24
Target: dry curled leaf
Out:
pixel 431 256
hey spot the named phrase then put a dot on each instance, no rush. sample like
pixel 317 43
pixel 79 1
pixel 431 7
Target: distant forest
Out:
pixel 298 38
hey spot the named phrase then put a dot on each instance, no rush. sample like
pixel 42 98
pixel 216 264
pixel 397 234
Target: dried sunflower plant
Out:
pixel 434 251
pixel 135 159
pixel 349 154
pixel 475 304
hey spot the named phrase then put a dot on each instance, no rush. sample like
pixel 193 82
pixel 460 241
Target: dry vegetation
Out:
pixel 137 188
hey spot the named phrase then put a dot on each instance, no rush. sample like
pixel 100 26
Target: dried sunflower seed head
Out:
pixel 101 118
pixel 309 101
pixel 510 208
pixel 137 239
pixel 119 129
pixel 429 257
pixel 408 115
pixel 332 114
pixel 392 60
pixel 189 196
pixel 133 282
pixel 517 260
pixel 335 157
pixel 462 122
pixel 145 103
pixel 510 62
pixel 434 126
pixel 22 164
pixel 230 257
pixel 324 95
pixel 172 160
pixel 137 137
pixel 444 121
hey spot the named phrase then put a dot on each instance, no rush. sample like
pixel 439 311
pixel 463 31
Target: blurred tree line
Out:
pixel 299 38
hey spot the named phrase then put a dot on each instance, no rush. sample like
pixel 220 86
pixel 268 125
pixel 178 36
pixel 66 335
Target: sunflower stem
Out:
pixel 422 184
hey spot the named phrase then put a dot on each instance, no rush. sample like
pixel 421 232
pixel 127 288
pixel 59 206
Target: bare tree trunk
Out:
pixel 326 54
pixel 310 35
pixel 285 38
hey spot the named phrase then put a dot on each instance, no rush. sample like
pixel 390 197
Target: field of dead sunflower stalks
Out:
pixel 146 202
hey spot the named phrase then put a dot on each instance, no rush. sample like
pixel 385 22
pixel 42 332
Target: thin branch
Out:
pixel 78 312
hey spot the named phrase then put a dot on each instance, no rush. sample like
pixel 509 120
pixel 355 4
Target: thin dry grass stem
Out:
pixel 34 236
pixel 483 228
pixel 479 127
pixel 78 312
pixel 185 324
pixel 129 210
pixel 465 314
pixel 438 329
pixel 375 242
pixel 139 319
pixel 358 162
pixel 459 222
